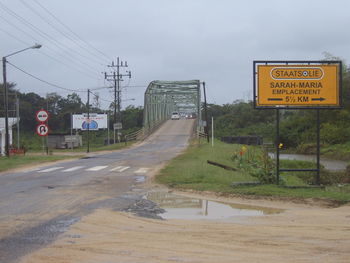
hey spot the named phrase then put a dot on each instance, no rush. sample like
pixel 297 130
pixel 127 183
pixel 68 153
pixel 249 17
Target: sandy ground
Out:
pixel 303 233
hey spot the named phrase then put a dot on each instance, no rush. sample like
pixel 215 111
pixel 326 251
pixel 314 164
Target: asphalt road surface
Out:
pixel 37 205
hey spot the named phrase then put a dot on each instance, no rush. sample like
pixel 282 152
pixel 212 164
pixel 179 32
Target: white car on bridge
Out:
pixel 175 116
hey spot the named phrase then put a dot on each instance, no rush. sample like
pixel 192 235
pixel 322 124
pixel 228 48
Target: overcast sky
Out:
pixel 214 41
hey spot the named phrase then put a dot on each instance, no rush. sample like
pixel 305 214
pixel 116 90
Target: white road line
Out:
pixel 120 168
pixel 32 170
pixel 96 168
pixel 124 168
pixel 115 168
pixel 141 171
pixel 73 168
pixel 51 169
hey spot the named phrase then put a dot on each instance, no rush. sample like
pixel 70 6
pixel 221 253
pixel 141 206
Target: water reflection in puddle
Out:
pixel 182 207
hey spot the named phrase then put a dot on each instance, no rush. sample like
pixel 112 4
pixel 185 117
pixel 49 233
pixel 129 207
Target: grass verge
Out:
pixel 191 171
pixel 22 161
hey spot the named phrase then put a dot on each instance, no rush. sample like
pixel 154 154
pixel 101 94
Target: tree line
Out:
pixel 60 109
pixel 297 127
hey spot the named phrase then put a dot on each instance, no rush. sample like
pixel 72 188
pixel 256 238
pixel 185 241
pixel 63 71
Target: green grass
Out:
pixel 337 151
pixel 191 171
pixel 21 161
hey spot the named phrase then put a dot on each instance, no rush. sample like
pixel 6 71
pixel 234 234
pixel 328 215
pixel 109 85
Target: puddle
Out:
pixel 182 207
pixel 140 179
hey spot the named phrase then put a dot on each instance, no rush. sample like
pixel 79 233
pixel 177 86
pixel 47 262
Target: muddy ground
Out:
pixel 302 233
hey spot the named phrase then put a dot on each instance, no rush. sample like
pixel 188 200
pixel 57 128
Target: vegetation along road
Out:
pixel 98 209
pixel 39 204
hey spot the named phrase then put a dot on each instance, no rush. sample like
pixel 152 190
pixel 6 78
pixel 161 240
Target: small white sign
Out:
pixel 42 116
pixel 117 126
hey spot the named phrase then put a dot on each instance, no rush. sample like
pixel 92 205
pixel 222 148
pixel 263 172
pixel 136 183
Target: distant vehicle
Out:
pixel 191 116
pixel 175 116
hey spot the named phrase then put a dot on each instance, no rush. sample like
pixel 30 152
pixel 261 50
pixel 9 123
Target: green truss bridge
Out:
pixel 162 98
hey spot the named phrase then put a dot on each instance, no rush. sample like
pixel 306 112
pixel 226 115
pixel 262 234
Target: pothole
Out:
pixel 183 207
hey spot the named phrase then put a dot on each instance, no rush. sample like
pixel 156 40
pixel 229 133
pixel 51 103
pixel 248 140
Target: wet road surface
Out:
pixel 39 204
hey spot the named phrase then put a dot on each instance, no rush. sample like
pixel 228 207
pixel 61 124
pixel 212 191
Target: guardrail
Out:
pixel 143 133
pixel 201 135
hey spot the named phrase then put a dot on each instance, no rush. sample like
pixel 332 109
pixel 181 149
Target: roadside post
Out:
pixel 291 85
pixel 212 131
pixel 42 129
pixel 117 126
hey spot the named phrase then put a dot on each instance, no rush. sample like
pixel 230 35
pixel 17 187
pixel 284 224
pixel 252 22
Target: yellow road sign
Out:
pixel 298 85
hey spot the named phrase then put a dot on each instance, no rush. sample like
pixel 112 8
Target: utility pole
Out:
pixel 88 122
pixel 206 127
pixel 17 117
pixel 116 77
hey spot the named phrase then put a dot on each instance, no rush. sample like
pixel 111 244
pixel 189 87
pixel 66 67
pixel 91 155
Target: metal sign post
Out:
pixel 297 85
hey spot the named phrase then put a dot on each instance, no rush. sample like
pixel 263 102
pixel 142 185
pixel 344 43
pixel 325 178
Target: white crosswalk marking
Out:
pixel 73 168
pixel 51 169
pixel 32 170
pixel 141 171
pixel 115 168
pixel 120 168
pixel 97 168
pixel 124 168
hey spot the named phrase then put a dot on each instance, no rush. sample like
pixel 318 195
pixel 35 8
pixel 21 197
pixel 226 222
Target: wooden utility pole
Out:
pixel 116 77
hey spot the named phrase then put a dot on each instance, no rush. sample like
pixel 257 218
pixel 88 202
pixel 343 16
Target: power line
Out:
pixel 44 81
pixel 41 51
pixel 48 37
pixel 60 31
pixel 55 85
pixel 13 36
pixel 71 31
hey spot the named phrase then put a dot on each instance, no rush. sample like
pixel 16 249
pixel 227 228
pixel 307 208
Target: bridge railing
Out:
pixel 143 133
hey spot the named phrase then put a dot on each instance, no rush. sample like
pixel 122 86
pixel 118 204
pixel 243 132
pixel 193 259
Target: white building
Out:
pixel 12 122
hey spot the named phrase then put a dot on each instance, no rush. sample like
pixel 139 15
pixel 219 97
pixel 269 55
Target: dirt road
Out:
pixel 85 211
pixel 302 233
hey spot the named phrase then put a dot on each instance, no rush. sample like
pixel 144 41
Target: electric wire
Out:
pixel 47 37
pixel 41 51
pixel 44 81
pixel 55 85
pixel 61 32
pixel 48 47
pixel 71 31
pixel 13 36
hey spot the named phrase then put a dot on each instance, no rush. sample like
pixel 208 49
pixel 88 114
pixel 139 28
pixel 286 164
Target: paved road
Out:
pixel 36 205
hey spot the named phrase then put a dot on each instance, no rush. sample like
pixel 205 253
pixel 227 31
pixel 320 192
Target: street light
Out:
pixel 4 61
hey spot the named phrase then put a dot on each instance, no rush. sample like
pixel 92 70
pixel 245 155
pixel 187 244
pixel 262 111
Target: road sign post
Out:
pixel 42 116
pixel 297 85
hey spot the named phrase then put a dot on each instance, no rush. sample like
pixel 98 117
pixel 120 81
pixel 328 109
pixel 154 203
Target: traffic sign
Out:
pixel 117 126
pixel 42 129
pixel 297 85
pixel 42 115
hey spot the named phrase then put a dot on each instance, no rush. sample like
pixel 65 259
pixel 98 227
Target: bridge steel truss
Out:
pixel 164 97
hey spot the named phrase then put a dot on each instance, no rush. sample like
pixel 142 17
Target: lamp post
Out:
pixel 4 61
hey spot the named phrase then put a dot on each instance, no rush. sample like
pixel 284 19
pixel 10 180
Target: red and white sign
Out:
pixel 42 129
pixel 42 116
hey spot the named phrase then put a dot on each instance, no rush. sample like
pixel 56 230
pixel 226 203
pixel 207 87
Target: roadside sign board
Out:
pixel 297 85
pixel 94 122
pixel 42 129
pixel 117 126
pixel 42 115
